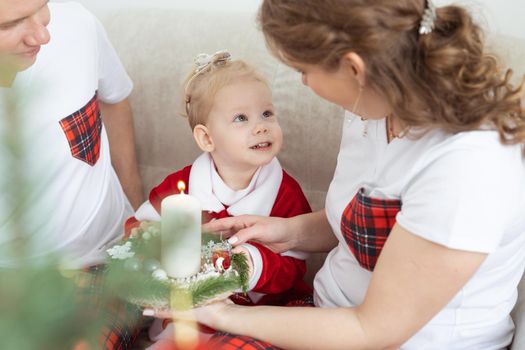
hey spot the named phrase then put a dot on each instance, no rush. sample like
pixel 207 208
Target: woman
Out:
pixel 425 211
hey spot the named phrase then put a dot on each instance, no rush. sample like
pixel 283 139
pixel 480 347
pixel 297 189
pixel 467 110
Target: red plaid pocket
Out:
pixel 366 223
pixel 83 129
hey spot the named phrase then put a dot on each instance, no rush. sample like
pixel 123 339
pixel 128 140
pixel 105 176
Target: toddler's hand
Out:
pixel 147 228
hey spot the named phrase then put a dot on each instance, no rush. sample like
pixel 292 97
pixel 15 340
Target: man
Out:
pixel 70 105
pixel 72 99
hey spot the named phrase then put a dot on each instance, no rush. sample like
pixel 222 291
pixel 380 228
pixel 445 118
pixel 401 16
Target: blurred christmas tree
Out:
pixel 41 306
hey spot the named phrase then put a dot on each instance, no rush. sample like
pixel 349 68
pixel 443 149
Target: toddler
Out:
pixel 229 108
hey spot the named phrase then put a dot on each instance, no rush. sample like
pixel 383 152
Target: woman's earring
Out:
pixel 354 109
pixel 356 103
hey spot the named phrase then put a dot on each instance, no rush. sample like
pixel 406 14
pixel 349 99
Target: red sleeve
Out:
pixel 279 273
pixel 130 224
pixel 169 187
pixel 290 200
pixel 157 194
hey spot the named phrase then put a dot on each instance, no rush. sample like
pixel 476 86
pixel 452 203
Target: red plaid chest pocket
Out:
pixel 83 129
pixel 365 224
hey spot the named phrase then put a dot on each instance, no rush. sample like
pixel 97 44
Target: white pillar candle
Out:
pixel 181 234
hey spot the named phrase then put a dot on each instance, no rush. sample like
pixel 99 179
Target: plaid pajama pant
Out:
pixel 121 321
pixel 226 341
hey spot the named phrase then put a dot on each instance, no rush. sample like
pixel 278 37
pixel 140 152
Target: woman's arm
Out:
pixel 308 232
pixel 313 232
pixel 413 280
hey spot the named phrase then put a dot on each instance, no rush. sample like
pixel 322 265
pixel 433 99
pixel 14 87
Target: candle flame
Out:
pixel 181 185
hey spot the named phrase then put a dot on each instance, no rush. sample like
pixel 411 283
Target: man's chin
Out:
pixel 17 64
pixel 9 70
pixel 25 63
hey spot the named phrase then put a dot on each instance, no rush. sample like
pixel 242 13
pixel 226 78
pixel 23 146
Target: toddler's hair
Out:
pixel 202 87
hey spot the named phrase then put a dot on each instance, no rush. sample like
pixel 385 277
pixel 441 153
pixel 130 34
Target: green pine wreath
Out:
pixel 134 273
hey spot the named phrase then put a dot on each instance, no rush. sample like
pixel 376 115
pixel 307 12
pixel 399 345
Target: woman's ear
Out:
pixel 356 66
pixel 203 139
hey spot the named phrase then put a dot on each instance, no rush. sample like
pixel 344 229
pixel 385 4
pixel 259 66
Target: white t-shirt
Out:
pixel 74 208
pixel 463 191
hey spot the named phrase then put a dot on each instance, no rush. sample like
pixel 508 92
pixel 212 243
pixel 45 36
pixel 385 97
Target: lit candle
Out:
pixel 181 234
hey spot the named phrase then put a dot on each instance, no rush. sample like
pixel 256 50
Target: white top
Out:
pixel 75 209
pixel 464 191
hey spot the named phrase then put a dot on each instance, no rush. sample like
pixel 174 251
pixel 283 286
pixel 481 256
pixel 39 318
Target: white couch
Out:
pixel 157 47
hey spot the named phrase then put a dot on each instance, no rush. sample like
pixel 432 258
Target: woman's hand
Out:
pixel 211 315
pixel 308 232
pixel 274 232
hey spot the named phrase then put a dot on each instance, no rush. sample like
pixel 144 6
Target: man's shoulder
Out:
pixel 72 29
pixel 69 6
pixel 70 12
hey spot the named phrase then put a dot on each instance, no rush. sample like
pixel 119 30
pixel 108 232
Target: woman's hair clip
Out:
pixel 202 64
pixel 429 17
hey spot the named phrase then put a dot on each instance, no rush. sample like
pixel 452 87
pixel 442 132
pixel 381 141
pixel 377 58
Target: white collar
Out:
pixel 224 193
pixel 256 199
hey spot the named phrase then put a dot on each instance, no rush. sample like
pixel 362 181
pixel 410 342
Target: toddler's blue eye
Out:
pixel 240 118
pixel 267 114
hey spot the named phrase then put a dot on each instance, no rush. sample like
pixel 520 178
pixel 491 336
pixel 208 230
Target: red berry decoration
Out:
pixel 226 259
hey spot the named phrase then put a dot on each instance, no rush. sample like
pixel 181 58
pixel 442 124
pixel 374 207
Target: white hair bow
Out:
pixel 203 60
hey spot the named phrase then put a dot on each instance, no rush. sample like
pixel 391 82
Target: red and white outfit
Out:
pixel 463 191
pixel 77 205
pixel 271 192
pixel 277 278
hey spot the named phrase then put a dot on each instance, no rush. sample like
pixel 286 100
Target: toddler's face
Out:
pixel 243 125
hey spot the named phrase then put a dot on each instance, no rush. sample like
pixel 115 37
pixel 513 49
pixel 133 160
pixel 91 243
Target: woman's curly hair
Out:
pixel 443 79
